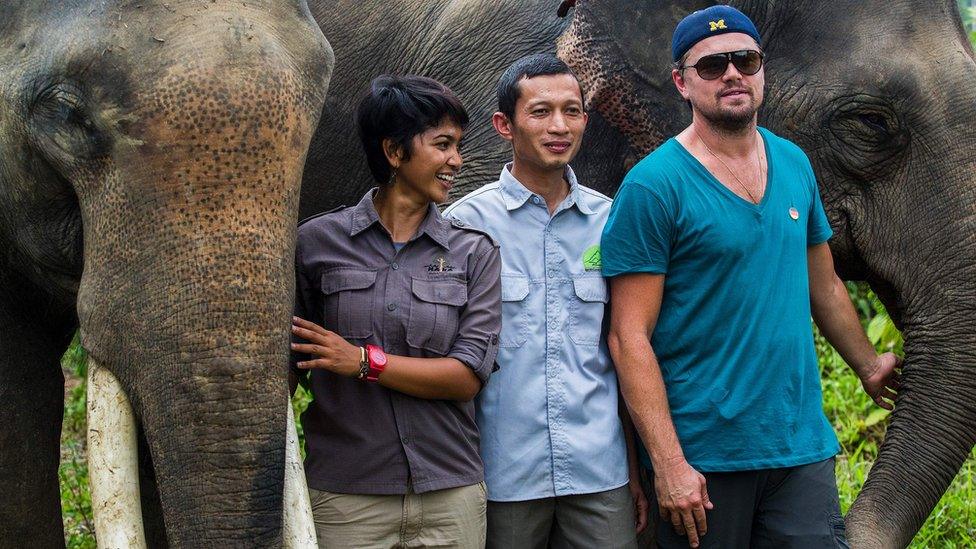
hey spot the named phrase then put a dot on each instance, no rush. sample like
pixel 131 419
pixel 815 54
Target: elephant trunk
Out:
pixel 207 381
pixel 189 236
pixel 115 479
pixel 220 471
pixel 929 437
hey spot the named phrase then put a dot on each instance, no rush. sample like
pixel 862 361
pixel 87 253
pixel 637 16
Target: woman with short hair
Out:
pixel 397 318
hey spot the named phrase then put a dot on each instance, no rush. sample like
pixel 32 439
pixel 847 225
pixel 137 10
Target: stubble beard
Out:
pixel 730 120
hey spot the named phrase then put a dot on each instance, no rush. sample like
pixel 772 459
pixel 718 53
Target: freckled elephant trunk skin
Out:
pixel 929 437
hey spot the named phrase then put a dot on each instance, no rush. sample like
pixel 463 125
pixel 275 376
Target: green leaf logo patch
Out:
pixel 591 258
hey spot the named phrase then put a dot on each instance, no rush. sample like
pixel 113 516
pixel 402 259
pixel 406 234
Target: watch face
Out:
pixel 377 356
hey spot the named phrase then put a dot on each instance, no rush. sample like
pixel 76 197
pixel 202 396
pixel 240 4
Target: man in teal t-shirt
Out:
pixel 717 245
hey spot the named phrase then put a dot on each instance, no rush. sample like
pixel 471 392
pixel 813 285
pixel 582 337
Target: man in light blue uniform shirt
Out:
pixel 556 461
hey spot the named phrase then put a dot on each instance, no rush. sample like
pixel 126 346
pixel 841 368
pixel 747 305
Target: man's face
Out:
pixel 549 122
pixel 729 102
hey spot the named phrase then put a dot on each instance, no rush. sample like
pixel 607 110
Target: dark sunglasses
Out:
pixel 712 66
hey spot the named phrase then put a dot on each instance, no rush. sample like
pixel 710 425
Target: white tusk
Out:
pixel 113 469
pixel 299 528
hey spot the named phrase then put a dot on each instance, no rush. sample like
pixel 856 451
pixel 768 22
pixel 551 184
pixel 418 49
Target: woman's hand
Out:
pixel 331 351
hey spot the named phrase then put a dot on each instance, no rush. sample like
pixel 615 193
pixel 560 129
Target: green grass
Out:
pixel 858 422
pixel 75 499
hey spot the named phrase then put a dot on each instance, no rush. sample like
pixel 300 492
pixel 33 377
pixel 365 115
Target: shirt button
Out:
pixel 535 200
pixel 391 307
pixel 395 266
pixel 405 440
pixel 552 274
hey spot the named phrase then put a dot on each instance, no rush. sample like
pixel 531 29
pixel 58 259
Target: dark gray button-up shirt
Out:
pixel 438 296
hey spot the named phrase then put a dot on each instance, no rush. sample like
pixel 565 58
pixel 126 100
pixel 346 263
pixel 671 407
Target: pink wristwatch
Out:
pixel 377 362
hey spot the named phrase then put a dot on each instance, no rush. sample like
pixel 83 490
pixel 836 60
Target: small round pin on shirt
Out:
pixel 794 214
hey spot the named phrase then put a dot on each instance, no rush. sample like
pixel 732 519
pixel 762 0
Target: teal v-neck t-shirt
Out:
pixel 733 337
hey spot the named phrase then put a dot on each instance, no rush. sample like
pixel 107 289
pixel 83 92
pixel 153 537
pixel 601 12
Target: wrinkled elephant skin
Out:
pixel 878 93
pixel 150 161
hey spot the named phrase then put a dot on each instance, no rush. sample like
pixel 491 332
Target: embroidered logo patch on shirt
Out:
pixel 439 265
pixel 591 258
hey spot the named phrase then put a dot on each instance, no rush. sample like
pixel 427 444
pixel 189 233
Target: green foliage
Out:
pixel 969 22
pixel 75 499
pixel 73 472
pixel 298 404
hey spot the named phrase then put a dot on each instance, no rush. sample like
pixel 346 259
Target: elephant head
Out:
pixel 881 96
pixel 151 156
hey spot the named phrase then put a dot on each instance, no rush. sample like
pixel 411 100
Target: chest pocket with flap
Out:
pixel 348 300
pixel 435 307
pixel 515 312
pixel 586 309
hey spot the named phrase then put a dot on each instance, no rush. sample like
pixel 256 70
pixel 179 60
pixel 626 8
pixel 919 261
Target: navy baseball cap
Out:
pixel 712 21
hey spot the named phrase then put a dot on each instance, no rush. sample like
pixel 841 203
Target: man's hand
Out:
pixel 682 499
pixel 641 505
pixel 333 353
pixel 880 379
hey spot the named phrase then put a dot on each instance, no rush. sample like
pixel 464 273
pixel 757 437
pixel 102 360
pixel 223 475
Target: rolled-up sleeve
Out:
pixel 480 322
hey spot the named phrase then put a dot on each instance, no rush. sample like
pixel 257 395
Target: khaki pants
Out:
pixel 444 518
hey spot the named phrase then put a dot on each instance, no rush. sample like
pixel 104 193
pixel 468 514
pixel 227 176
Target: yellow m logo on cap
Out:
pixel 715 25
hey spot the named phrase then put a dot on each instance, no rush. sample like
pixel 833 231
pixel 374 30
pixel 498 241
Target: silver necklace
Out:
pixel 762 175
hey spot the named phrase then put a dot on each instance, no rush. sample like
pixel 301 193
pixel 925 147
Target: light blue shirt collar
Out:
pixel 516 194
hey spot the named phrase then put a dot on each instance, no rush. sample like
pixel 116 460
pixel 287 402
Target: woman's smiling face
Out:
pixel 435 158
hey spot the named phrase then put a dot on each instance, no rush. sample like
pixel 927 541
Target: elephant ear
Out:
pixel 564 7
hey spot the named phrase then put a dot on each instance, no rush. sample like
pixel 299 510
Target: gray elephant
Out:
pixel 880 95
pixel 150 160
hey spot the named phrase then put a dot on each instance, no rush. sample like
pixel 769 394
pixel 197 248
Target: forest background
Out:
pixel 860 425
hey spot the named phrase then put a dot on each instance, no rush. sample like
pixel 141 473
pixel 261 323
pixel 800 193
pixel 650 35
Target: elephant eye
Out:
pixel 874 121
pixel 62 104
pixel 60 118
pixel 867 123
pixel 867 134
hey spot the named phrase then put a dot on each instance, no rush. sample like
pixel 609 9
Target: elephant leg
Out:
pixel 31 409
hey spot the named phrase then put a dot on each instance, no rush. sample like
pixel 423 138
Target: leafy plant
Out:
pixel 76 509
pixel 299 402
